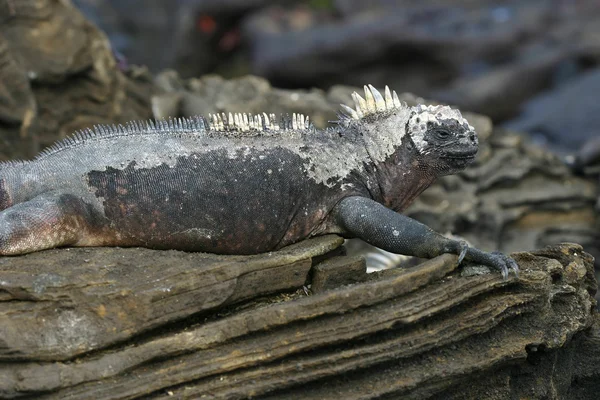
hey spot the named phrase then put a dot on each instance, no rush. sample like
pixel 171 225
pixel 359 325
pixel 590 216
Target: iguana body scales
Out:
pixel 241 184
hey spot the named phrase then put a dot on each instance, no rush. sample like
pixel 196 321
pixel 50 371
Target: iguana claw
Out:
pixel 504 263
pixel 507 263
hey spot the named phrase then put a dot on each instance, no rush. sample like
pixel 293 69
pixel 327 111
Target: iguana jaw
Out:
pixel 461 153
pixel 456 164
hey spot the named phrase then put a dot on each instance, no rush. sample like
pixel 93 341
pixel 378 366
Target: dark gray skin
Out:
pixel 242 186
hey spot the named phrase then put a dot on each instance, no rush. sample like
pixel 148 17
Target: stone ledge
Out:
pixel 421 332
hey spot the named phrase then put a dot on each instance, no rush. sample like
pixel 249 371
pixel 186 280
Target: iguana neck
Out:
pixel 403 177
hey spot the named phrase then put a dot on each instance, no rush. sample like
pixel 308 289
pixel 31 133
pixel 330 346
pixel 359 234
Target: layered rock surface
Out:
pixel 132 323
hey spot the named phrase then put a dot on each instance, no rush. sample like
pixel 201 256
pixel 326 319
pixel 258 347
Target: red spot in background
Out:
pixel 206 24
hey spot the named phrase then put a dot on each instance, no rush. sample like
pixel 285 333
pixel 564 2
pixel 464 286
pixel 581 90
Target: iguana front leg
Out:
pixel 397 233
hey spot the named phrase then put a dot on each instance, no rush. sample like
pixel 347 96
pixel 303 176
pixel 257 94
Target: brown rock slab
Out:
pixel 57 304
pixel 418 333
pixel 338 271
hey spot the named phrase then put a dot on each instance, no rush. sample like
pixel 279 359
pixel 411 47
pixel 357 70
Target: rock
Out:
pixel 418 332
pixel 166 105
pixel 500 92
pixel 336 272
pixel 488 56
pixel 252 94
pixel 67 81
pixel 485 57
pixel 193 36
pixel 587 161
pixel 430 44
pixel 588 155
pixel 64 303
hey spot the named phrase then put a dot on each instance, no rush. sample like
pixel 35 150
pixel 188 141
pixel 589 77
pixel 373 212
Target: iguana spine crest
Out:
pixel 245 122
pixel 374 103
pixel 220 124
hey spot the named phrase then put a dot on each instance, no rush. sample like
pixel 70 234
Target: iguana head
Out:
pixel 409 146
pixel 443 137
pixel 436 136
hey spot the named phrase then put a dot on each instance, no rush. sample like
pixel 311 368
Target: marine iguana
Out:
pixel 242 184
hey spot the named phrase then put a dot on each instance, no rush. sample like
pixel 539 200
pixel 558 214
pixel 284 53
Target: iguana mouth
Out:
pixel 462 155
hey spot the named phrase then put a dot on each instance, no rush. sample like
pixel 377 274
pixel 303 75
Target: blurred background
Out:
pixel 529 65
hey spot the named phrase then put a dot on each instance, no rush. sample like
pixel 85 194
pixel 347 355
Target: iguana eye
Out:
pixel 442 134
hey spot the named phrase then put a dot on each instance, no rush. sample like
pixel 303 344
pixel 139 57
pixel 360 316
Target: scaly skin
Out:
pixel 236 184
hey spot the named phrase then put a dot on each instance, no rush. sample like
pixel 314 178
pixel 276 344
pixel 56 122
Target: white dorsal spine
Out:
pixel 245 122
pixel 372 103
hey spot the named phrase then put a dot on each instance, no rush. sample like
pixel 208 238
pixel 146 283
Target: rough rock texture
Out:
pixel 85 299
pixel 587 162
pixel 250 94
pixel 58 74
pixel 123 324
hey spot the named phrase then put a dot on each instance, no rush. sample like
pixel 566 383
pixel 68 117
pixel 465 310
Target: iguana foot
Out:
pixel 496 260
pixel 504 263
